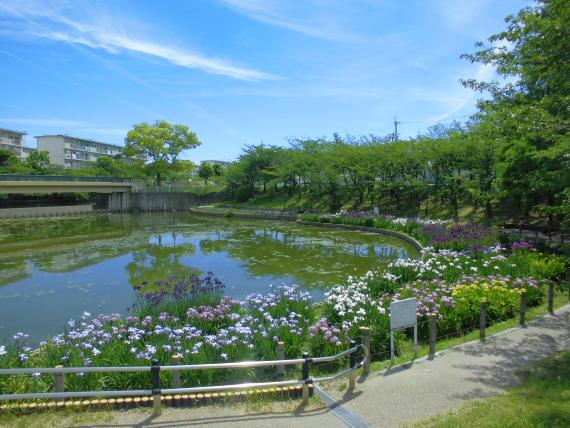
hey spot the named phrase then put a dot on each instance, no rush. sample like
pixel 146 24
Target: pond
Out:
pixel 53 269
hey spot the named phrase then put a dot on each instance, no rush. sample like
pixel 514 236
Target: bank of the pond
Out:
pixel 386 232
pixel 244 213
pixel 47 211
pixel 261 214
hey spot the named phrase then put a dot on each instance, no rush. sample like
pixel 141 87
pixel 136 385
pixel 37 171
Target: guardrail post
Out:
pixel 522 310
pixel 58 381
pixel 176 373
pixel 352 363
pixel 281 356
pixel 551 297
pixel 155 377
pixel 366 345
pixel 432 335
pixel 306 379
pixel 483 319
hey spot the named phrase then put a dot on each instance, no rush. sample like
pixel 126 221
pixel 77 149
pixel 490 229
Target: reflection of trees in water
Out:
pixel 158 243
pixel 68 244
pixel 312 257
pixel 13 269
pixel 16 231
pixel 157 262
pixel 68 258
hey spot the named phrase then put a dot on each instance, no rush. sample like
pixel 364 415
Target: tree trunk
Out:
pixel 488 211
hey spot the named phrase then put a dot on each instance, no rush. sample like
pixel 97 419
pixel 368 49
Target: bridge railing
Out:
pixel 71 178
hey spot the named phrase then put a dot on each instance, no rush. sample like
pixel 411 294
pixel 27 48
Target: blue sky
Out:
pixel 240 71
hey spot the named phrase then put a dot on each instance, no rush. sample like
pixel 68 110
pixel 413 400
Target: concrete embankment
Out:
pixel 46 211
pixel 287 216
pixel 230 213
pixel 156 202
pixel 386 232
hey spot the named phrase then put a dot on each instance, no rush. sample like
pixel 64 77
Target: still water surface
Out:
pixel 53 269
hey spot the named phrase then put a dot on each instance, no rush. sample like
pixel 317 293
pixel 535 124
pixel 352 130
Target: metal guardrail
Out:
pixel 168 188
pixel 72 178
pixel 156 368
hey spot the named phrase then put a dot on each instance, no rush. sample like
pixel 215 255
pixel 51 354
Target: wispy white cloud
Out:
pixel 105 32
pixel 459 98
pixel 321 25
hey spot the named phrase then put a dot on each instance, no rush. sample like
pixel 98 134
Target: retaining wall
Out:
pixel 46 211
pixel 237 214
pixel 387 232
pixel 148 202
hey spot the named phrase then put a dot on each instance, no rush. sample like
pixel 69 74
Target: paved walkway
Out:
pixel 221 416
pixel 395 397
pixel 470 371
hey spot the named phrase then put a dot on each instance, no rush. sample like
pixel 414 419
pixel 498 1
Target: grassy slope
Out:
pixel 542 401
pixel 282 200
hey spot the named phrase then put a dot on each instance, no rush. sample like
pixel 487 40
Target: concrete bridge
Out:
pixel 33 184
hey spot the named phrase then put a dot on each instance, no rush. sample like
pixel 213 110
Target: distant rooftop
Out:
pixel 80 139
pixel 11 131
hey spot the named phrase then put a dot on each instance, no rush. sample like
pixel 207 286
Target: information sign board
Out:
pixel 402 315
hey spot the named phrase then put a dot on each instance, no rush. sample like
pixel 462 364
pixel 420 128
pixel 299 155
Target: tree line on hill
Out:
pixel 511 160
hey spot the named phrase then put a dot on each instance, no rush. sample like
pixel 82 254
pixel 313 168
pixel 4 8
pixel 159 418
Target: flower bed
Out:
pixel 190 317
pixel 197 323
pixel 439 234
pixel 447 284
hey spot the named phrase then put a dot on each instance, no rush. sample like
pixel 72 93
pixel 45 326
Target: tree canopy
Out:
pixel 511 160
pixel 530 114
pixel 161 145
pixel 205 171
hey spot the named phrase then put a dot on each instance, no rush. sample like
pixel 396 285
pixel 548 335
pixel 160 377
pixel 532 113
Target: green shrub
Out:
pixel 310 217
pixel 549 267
pixel 229 214
pixel 243 193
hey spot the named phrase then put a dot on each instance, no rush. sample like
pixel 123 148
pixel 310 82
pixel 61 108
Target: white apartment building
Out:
pixel 13 140
pixel 75 152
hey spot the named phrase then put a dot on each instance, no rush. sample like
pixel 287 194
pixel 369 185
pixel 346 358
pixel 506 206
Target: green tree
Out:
pixel 205 171
pixel 9 162
pixel 530 114
pixel 38 162
pixel 161 144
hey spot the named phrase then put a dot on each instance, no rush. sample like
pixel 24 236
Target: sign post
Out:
pixel 402 315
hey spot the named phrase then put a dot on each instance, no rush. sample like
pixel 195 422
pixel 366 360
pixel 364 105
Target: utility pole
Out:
pixel 396 128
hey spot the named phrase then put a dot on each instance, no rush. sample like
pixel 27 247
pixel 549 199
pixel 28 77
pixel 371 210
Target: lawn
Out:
pixel 543 400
